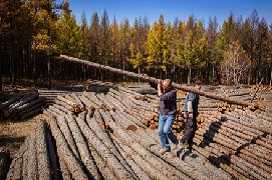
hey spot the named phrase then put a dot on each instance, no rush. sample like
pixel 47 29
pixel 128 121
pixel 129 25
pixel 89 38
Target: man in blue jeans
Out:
pixel 168 108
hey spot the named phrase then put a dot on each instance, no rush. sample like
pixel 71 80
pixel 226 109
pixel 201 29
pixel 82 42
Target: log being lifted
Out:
pixel 155 80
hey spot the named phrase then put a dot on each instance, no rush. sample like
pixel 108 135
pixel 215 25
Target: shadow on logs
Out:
pixel 217 161
pixel 211 132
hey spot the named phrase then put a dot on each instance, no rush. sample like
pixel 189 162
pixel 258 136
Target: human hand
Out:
pixel 185 114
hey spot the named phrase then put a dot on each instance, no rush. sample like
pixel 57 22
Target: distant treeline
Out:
pixel 238 51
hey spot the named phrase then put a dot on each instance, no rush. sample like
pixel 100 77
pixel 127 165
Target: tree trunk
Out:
pixel 49 72
pixel 154 80
pixel 139 72
pixel 270 82
pixel 1 81
pixel 249 77
pixel 189 76
pixel 213 72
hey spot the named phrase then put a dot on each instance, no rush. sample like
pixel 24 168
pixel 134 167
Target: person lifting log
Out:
pixel 167 111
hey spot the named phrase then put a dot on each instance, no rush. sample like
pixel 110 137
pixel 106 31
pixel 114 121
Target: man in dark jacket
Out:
pixel 190 112
pixel 168 108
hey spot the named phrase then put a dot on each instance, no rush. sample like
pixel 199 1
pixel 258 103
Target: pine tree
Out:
pixel 192 48
pixel 84 35
pixel 94 38
pixel 212 54
pixel 68 38
pixel 115 43
pixel 157 47
pixel 104 48
pixel 44 21
pixel 125 39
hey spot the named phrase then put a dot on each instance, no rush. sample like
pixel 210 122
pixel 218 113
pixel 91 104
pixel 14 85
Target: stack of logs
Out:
pixel 105 141
pixel 37 158
pixel 21 106
pixel 107 137
pixel 232 137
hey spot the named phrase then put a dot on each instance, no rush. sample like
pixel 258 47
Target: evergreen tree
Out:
pixel 68 38
pixel 104 49
pixel 93 40
pixel 84 35
pixel 157 47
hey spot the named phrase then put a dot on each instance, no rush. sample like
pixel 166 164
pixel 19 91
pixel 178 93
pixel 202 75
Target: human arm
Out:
pixel 159 88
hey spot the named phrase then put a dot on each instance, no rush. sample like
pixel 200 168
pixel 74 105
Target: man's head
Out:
pixel 167 84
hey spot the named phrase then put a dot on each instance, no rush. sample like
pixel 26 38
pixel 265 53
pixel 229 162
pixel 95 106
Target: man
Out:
pixel 168 107
pixel 190 111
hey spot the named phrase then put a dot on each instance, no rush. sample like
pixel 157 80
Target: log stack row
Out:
pixel 231 137
pixel 21 106
pixel 108 138
pixel 37 158
pixel 239 142
pixel 109 143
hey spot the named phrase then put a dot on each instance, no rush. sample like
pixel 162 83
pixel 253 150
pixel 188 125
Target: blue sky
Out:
pixel 201 9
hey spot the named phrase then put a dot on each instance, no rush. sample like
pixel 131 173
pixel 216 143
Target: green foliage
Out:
pixel 161 48
pixel 157 45
pixel 192 48
pixel 68 38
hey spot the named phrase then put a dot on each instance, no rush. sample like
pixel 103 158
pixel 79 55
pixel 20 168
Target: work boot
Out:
pixel 184 145
pixel 163 151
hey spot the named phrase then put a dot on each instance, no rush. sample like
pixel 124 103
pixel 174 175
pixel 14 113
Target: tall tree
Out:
pixel 192 49
pixel 104 40
pixel 137 49
pixel 235 64
pixel 157 47
pixel 212 54
pixel 93 40
pixel 84 35
pixel 68 37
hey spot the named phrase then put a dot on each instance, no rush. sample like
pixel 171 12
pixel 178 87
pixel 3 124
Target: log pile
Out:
pixel 109 144
pixel 51 95
pixel 239 142
pixel 36 158
pixel 108 138
pixel 21 106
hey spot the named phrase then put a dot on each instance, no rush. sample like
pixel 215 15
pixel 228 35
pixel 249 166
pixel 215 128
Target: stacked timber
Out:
pixel 69 103
pixel 51 95
pixel 239 142
pixel 109 138
pixel 21 106
pixel 110 144
pixel 36 158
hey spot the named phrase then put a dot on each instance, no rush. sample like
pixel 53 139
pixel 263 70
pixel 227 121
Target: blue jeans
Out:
pixel 165 131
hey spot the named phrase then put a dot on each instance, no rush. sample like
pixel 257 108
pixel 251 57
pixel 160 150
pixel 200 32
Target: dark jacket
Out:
pixel 191 97
pixel 168 104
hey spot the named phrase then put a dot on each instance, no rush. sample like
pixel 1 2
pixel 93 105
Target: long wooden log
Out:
pixel 66 154
pixel 44 168
pixel 154 80
pixel 112 161
pixel 105 135
pixel 82 147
